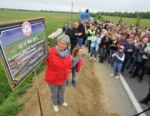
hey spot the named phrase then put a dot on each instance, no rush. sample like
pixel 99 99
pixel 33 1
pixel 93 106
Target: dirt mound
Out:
pixel 84 100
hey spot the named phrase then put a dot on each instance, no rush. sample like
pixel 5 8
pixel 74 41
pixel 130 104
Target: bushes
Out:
pixel 10 106
pixel 4 86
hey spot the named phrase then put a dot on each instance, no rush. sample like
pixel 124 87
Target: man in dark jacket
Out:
pixel 144 56
pixel 129 51
pixel 71 32
pixel 80 32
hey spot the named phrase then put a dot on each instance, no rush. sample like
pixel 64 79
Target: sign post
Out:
pixel 38 92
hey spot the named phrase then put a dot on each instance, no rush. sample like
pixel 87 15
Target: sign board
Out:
pixel 22 47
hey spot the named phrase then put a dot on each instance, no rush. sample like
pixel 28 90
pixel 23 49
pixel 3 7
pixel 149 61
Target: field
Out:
pixel 128 21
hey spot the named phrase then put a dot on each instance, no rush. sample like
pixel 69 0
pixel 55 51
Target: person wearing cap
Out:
pixel 119 57
pixel 58 68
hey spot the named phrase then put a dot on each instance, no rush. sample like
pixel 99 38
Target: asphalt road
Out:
pixel 140 90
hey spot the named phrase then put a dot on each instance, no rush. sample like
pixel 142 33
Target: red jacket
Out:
pixel 58 69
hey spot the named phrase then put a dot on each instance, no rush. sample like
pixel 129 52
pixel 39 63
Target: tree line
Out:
pixel 144 15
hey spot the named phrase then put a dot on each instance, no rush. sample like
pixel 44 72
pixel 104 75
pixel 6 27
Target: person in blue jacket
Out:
pixel 85 15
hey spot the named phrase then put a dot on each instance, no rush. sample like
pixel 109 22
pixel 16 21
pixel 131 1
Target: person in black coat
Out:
pixel 80 32
pixel 71 32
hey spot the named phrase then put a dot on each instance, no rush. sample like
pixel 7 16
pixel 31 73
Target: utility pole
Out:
pixel 71 10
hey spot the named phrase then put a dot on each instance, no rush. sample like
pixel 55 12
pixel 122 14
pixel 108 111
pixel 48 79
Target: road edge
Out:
pixel 131 96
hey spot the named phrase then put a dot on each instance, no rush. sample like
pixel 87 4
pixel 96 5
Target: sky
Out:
pixel 79 5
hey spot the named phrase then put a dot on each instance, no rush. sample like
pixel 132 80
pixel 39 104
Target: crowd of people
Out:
pixel 124 48
pixel 105 39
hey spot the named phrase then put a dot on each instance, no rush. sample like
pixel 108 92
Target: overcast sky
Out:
pixel 79 5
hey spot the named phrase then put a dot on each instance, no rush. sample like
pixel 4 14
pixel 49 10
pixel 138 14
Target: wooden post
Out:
pixel 38 93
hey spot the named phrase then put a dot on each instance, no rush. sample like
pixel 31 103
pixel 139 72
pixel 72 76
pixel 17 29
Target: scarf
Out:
pixel 64 53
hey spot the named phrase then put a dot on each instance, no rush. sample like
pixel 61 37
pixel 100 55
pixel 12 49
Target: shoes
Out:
pixel 117 77
pixel 130 72
pixel 94 59
pixel 143 101
pixel 91 58
pixel 100 61
pixel 64 104
pixel 73 83
pixel 56 109
pixel 132 76
pixel 112 74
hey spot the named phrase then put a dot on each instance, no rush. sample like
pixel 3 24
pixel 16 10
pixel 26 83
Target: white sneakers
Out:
pixel 117 76
pixel 112 74
pixel 92 58
pixel 64 104
pixel 56 109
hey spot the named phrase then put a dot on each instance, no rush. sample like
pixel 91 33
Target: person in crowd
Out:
pixel 71 32
pixel 80 32
pixel 65 28
pixel 136 57
pixel 129 50
pixel 119 58
pixel 103 46
pixel 85 16
pixel 146 99
pixel 95 46
pixel 113 48
pixel 146 70
pixel 91 34
pixel 142 58
pixel 76 63
pixel 109 41
pixel 58 68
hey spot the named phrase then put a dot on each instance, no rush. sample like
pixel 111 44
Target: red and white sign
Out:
pixel 26 28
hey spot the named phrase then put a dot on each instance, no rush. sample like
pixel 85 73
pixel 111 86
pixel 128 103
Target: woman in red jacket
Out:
pixel 58 69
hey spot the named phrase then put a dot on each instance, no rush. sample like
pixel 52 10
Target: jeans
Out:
pixel 79 41
pixel 128 64
pixel 117 67
pixel 93 52
pixel 57 93
pixel 102 54
pixel 89 46
pixel 111 52
pixel 74 75
pixel 133 63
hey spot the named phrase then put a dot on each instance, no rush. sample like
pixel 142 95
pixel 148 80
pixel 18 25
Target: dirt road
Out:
pixel 84 100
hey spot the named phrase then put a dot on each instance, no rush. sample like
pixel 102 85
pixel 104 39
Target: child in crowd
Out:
pixel 95 46
pixel 76 63
pixel 119 57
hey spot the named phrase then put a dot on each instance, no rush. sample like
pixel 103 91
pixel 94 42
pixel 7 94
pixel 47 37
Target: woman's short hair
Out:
pixel 65 38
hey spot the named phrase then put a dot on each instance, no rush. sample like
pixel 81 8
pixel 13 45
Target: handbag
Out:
pixel 79 65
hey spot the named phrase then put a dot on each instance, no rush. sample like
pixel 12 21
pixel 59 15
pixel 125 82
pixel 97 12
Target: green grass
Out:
pixel 9 105
pixel 53 20
pixel 128 21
